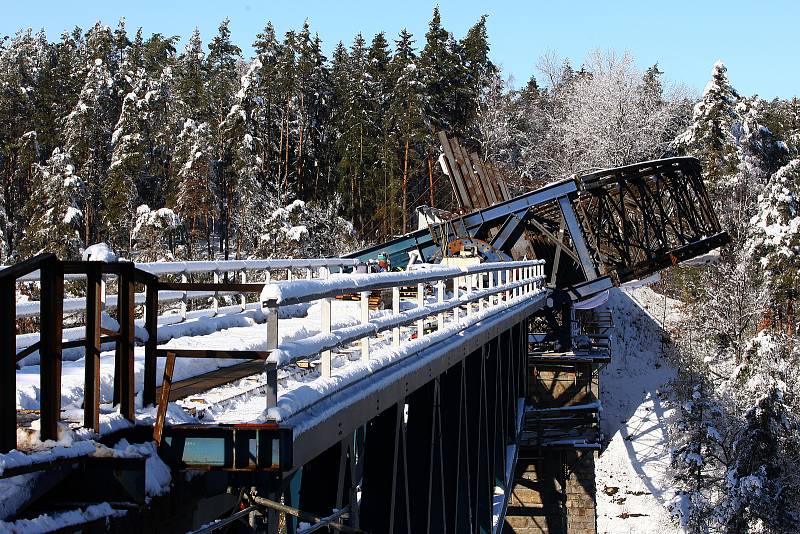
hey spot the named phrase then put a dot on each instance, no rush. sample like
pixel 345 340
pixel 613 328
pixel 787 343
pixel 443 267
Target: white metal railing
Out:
pixel 476 292
pixel 206 303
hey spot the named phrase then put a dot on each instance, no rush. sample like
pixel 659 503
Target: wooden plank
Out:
pixel 166 384
pixel 473 183
pixel 91 343
pixel 488 186
pixel 22 268
pixel 27 351
pixel 225 375
pixel 8 369
pixel 212 353
pixel 498 178
pixel 51 317
pixel 461 185
pixel 497 182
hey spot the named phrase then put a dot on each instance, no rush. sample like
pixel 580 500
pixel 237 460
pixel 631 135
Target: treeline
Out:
pixel 108 136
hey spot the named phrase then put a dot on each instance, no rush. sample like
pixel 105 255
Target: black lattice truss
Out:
pixel 647 216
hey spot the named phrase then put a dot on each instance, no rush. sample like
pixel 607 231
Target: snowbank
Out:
pixel 632 472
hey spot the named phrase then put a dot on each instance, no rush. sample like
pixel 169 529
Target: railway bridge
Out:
pixel 319 395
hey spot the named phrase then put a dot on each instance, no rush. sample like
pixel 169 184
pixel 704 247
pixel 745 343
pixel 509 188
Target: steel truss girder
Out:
pixel 639 215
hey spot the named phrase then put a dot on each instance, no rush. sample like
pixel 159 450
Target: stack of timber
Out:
pixel 476 185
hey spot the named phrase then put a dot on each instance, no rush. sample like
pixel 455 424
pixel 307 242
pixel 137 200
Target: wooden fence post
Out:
pixel 51 317
pixel 8 366
pixel 151 345
pixel 127 308
pixel 91 385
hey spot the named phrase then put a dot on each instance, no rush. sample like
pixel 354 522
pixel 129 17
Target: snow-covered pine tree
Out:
pixel 221 63
pixel 478 76
pixel 155 233
pixel 695 458
pixel 89 126
pixel 55 210
pixel 443 75
pixel 266 114
pixel 239 130
pixel 119 184
pixel 191 196
pixel 775 236
pixel 23 61
pixel 762 485
pixel 406 124
pixel 191 80
pixel 379 140
pixel 353 125
pixel 713 132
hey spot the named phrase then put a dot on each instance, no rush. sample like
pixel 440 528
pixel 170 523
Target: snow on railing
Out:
pixel 262 270
pixel 462 296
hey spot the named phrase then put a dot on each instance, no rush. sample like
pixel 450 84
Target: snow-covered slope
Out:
pixel 632 478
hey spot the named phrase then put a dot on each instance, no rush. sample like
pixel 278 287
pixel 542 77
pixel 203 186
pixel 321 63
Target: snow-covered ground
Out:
pixel 632 472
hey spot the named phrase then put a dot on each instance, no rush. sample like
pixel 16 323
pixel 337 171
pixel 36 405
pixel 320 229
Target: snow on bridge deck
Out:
pixel 301 388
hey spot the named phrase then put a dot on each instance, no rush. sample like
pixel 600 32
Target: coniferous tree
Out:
pixel 55 210
pixel 711 136
pixel 89 126
pixel 192 197
pixel 222 84
pixel 405 123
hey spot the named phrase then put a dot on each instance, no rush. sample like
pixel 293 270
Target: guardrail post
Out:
pixel 91 366
pixel 455 296
pixel 8 366
pixel 51 317
pixel 364 320
pixel 185 298
pixel 243 297
pixel 396 311
pixel 150 347
pixel 440 299
pixel 509 276
pixel 272 328
pixel 271 395
pixel 215 298
pixel 481 300
pixel 469 294
pixel 421 304
pixel 325 328
pixel 491 298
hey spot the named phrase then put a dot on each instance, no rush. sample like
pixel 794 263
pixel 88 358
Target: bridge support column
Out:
pixel 384 487
pixel 320 482
pixel 455 441
pixel 478 432
pixel 423 429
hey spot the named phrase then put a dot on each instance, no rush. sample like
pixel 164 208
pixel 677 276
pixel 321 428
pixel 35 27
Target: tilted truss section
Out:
pixel 593 231
pixel 644 217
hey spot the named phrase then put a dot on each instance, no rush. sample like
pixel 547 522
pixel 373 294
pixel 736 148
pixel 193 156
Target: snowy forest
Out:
pixel 109 135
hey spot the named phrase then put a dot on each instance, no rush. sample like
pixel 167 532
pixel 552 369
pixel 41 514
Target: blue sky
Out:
pixel 756 40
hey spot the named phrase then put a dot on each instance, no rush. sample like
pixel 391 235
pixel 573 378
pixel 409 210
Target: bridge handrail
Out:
pixel 28 271
pixel 191 267
pixel 486 288
pixel 277 294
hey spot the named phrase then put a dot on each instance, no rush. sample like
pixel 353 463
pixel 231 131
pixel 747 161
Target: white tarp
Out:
pixel 592 302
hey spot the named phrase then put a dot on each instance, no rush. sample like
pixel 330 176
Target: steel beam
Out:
pixel 387 386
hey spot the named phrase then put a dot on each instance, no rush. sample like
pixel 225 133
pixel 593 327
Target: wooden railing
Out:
pixel 51 273
pixel 50 344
